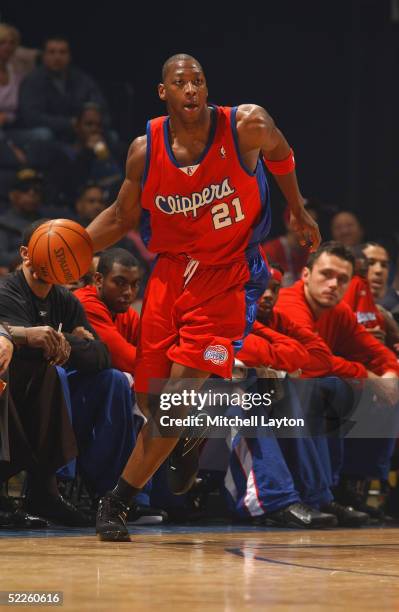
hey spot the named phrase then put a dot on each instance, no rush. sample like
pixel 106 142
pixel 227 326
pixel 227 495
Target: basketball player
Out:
pixel 200 178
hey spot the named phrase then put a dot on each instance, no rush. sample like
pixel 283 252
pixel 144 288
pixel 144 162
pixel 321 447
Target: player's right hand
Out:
pixel 306 229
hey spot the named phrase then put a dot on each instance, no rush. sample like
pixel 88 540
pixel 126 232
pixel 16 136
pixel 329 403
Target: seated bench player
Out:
pixel 95 397
pixel 316 303
pixel 42 440
pixel 108 307
pixel 301 453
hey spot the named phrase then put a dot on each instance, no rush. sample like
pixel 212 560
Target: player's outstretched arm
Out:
pixel 258 132
pixel 113 223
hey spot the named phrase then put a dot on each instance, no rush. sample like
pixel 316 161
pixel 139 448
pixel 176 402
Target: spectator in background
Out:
pixel 346 229
pixel 286 250
pixel 23 59
pixel 52 94
pixel 10 79
pixel 89 204
pixel 25 196
pixel 19 146
pixel 14 142
pixel 90 157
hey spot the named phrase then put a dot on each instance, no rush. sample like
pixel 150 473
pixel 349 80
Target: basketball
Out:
pixel 60 251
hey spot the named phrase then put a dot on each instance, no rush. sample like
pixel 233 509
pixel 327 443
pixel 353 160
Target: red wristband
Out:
pixel 281 166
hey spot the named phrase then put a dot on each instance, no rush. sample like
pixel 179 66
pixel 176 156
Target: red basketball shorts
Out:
pixel 196 315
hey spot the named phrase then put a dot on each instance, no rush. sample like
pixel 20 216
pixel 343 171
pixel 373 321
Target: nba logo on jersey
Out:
pixel 189 170
pixel 217 354
pixel 222 152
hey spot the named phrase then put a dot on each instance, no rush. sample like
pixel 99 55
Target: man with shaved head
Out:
pixel 199 175
pixel 179 57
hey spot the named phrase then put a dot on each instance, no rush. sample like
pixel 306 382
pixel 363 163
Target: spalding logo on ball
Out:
pixel 60 251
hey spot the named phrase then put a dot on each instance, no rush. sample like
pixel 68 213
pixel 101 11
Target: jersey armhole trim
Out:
pixel 147 154
pixel 233 124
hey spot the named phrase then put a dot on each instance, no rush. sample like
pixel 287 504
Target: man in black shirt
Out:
pixel 41 438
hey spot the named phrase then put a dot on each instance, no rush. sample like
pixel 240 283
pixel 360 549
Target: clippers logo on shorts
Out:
pixel 217 354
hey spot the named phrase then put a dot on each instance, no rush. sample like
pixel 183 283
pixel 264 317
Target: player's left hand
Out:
pixel 306 229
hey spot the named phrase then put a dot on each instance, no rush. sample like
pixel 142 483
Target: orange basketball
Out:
pixel 60 251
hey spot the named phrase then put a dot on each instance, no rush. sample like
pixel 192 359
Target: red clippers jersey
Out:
pixel 215 209
pixel 360 299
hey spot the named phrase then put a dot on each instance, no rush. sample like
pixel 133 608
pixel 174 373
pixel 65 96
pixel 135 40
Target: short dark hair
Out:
pixel 346 212
pixel 89 185
pixel 28 231
pixel 374 244
pixel 331 248
pixel 88 106
pixel 56 38
pixel 116 255
pixel 276 266
pixel 178 57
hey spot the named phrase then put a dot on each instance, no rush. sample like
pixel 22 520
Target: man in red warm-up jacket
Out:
pixel 274 342
pixel 316 304
pixel 108 307
pixel 288 346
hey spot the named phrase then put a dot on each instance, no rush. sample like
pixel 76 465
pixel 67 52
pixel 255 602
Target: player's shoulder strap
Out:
pixel 153 132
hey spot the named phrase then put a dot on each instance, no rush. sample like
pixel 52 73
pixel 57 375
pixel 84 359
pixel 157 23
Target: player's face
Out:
pixel 184 90
pixel 119 288
pixel 268 299
pixel 377 275
pixel 328 280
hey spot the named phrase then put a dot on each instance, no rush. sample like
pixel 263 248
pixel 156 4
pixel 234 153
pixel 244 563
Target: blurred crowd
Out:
pixel 68 418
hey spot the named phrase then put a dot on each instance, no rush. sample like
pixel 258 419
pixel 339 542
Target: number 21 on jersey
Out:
pixel 222 217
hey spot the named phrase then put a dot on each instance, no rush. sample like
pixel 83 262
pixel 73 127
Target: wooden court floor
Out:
pixel 209 568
